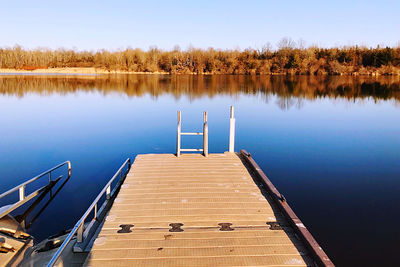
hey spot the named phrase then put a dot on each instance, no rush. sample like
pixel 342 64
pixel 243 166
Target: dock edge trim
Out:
pixel 317 253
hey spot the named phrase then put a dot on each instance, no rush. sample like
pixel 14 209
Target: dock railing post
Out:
pixel 178 142
pixel 205 135
pixel 108 192
pixel 232 131
pixel 22 193
pixel 69 169
pixel 79 234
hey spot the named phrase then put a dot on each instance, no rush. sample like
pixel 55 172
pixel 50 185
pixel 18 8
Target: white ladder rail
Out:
pixel 179 150
pixel 232 122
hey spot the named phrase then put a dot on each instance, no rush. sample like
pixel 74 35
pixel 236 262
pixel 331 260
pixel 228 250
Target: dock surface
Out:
pixel 194 211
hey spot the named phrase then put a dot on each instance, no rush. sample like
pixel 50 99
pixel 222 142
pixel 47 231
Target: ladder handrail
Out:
pixel 21 188
pixel 231 148
pixel 204 134
pixel 232 121
pixel 78 228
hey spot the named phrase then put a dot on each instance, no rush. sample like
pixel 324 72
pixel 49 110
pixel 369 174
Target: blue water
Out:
pixel 336 159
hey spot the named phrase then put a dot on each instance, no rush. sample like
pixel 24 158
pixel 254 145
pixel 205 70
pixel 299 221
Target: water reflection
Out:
pixel 335 161
pixel 35 209
pixel 289 90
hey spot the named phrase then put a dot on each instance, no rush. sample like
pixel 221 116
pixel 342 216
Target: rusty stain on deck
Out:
pixel 194 211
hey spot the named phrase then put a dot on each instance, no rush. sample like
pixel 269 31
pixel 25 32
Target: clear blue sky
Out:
pixel 93 25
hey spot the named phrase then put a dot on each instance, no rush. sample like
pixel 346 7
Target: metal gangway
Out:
pixel 21 188
pixel 14 241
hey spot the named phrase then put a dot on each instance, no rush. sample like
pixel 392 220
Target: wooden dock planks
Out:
pixel 200 193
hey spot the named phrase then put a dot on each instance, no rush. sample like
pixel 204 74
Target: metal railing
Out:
pixel 83 236
pixel 232 121
pixel 204 134
pixel 231 149
pixel 21 188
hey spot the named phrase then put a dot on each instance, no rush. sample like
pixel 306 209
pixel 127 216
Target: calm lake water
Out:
pixel 330 145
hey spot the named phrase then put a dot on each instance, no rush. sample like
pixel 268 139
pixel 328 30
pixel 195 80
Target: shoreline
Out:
pixel 72 70
pixel 100 71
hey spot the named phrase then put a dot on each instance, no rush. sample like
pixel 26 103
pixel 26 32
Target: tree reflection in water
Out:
pixel 290 90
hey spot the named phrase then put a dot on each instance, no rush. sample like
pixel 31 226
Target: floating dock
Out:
pixel 185 210
pixel 195 211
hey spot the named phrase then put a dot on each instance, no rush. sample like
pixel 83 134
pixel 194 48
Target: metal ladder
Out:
pixel 205 135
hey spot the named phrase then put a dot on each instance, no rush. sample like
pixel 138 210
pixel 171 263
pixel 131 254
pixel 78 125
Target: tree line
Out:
pixel 287 59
